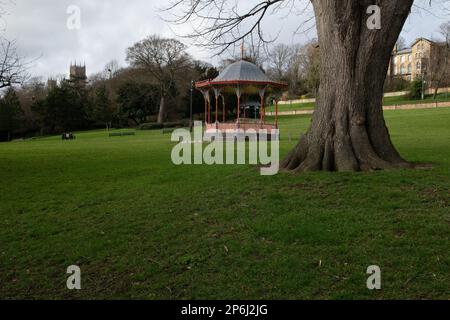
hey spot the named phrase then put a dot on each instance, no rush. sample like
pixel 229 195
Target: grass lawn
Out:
pixel 292 107
pixel 140 227
pixel 388 101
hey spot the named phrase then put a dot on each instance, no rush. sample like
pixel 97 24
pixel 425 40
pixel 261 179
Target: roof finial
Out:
pixel 242 50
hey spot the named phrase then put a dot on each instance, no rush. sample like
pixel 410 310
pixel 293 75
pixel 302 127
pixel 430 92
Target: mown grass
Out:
pixel 140 227
pixel 292 107
pixel 388 101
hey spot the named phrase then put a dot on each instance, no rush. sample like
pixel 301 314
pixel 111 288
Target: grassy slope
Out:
pixel 389 101
pixel 140 227
pixel 292 107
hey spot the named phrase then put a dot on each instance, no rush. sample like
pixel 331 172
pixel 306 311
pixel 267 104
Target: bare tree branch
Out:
pixel 221 24
pixel 224 24
pixel 13 67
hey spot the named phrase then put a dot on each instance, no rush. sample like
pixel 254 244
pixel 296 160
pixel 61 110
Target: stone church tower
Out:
pixel 51 84
pixel 78 73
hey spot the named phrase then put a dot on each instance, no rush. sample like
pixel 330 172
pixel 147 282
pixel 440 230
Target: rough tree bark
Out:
pixel 348 131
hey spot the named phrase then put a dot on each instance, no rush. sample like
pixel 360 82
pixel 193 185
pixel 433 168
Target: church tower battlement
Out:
pixel 78 73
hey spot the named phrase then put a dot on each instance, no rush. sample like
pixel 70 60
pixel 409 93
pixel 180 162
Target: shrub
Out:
pixel 397 84
pixel 166 125
pixel 177 124
pixel 415 90
pixel 307 96
pixel 150 126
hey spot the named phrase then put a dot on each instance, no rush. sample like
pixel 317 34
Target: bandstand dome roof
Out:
pixel 241 73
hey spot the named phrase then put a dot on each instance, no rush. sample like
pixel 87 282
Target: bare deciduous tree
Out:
pixel 302 73
pixel 13 67
pixel 279 58
pixel 296 72
pixel 401 43
pixel 348 131
pixel 308 57
pixel 251 51
pixel 112 68
pixel 439 64
pixel 165 59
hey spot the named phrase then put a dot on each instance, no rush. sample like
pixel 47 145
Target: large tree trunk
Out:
pixel 162 110
pixel 348 131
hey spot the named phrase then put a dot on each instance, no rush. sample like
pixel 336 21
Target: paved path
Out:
pixel 396 107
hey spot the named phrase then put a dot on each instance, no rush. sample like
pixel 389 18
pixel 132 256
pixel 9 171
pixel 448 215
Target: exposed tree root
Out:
pixel 354 152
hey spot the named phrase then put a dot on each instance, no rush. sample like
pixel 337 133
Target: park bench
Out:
pixel 122 134
pixel 168 130
pixel 68 136
pixel 171 130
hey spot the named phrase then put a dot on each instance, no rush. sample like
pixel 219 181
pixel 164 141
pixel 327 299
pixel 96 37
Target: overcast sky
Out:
pixel 108 27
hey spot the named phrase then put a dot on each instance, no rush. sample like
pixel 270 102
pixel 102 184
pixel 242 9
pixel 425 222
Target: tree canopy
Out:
pixel 10 112
pixel 165 59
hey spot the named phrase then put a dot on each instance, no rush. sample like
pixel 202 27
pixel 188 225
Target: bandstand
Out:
pixel 242 81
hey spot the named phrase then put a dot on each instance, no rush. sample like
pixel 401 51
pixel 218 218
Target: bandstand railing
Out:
pixel 242 124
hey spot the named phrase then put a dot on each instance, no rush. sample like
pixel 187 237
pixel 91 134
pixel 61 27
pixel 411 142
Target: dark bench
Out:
pixel 170 130
pixel 122 134
pixel 68 136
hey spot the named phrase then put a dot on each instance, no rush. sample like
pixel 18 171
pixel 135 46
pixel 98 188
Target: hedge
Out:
pixel 166 125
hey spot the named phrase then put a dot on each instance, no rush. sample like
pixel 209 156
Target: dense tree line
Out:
pixel 298 66
pixel 65 108
pixel 10 114
pixel 156 87
pixel 145 91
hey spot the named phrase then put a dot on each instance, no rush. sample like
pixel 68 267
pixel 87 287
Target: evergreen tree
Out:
pixel 10 113
pixel 138 101
pixel 102 106
pixel 66 107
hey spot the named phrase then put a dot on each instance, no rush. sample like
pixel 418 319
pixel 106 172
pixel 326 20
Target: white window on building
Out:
pixel 418 66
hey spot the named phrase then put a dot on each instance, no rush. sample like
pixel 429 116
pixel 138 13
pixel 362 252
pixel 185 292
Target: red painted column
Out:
pixel 238 106
pixel 276 113
pixel 223 107
pixel 238 94
pixel 217 105
pixel 209 110
pixel 206 109
pixel 262 108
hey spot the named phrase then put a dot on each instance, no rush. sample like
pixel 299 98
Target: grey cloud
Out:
pixel 110 26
